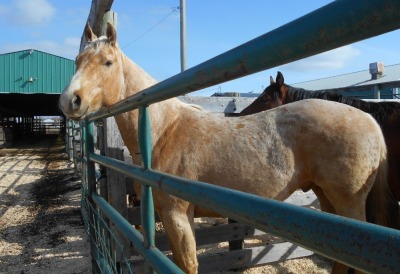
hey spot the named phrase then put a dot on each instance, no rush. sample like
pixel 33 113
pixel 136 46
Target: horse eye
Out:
pixel 108 63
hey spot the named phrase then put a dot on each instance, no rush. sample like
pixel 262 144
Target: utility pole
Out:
pixel 182 9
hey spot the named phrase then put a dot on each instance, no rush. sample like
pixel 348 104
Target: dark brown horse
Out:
pixel 387 114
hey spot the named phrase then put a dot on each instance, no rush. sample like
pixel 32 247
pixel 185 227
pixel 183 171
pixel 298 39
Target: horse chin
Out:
pixel 77 119
pixel 77 116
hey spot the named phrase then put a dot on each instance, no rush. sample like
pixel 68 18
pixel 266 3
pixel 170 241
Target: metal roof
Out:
pixel 31 72
pixel 355 79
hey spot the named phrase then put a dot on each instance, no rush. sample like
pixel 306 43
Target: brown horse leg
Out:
pixel 178 224
pixel 324 203
pixel 339 268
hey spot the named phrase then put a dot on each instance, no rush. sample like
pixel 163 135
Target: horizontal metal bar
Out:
pixel 158 261
pixel 364 246
pixel 337 24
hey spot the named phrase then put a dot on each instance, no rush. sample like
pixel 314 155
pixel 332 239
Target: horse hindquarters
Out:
pixel 381 206
pixel 377 204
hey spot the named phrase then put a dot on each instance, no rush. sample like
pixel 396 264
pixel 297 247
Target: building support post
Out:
pixel 377 92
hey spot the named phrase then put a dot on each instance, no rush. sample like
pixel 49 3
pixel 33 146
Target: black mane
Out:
pixel 379 110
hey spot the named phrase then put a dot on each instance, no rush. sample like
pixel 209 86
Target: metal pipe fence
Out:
pixel 364 246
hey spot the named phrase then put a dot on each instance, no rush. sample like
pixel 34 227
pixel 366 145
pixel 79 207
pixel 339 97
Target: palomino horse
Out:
pixel 310 144
pixel 387 114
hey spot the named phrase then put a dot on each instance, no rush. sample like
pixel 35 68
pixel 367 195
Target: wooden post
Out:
pixel 97 12
pixel 114 148
pixel 235 244
pixel 116 185
pixel 108 17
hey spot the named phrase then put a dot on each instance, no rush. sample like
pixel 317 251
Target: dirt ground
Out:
pixel 40 221
pixel 41 229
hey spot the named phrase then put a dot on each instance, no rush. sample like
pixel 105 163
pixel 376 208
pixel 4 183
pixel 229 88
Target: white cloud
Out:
pixel 72 42
pixel 23 12
pixel 69 48
pixel 330 60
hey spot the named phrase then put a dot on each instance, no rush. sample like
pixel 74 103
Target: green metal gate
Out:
pixel 337 24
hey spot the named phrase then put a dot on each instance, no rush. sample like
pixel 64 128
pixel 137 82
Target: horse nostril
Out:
pixel 76 102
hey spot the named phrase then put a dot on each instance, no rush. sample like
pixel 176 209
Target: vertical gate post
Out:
pixel 68 136
pixel 101 146
pixel 89 181
pixel 73 145
pixel 88 148
pixel 147 205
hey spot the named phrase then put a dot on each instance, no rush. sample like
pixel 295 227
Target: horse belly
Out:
pixel 260 177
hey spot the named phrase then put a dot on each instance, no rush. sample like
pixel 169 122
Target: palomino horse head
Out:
pixel 273 96
pixel 98 74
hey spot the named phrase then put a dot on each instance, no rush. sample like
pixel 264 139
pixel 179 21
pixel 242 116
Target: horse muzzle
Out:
pixel 72 107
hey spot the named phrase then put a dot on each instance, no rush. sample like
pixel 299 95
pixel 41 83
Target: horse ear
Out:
pixel 279 79
pixel 111 34
pixel 89 35
pixel 271 80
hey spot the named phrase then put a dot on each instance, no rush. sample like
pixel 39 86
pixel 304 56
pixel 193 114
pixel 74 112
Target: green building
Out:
pixel 31 82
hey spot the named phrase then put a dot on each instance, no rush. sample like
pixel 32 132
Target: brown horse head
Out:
pixel 273 96
pixel 98 78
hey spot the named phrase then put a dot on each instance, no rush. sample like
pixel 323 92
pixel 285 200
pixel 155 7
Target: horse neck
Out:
pixel 379 110
pixel 135 78
pixel 162 114
pixel 296 94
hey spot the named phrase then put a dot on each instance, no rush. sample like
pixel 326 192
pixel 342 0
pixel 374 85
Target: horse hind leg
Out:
pixel 343 204
pixel 355 211
pixel 327 206
pixel 354 208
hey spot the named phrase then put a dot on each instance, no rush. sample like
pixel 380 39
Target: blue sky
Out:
pixel 148 32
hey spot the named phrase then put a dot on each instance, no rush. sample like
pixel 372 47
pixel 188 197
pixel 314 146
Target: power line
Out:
pixel 150 29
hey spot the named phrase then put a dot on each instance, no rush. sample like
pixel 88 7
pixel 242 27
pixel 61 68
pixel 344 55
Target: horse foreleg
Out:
pixel 178 224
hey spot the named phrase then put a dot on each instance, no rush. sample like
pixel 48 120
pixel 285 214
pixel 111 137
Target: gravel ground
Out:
pixel 40 222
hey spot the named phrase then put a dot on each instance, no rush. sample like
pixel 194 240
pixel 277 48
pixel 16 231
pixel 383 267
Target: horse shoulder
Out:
pixel 180 132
